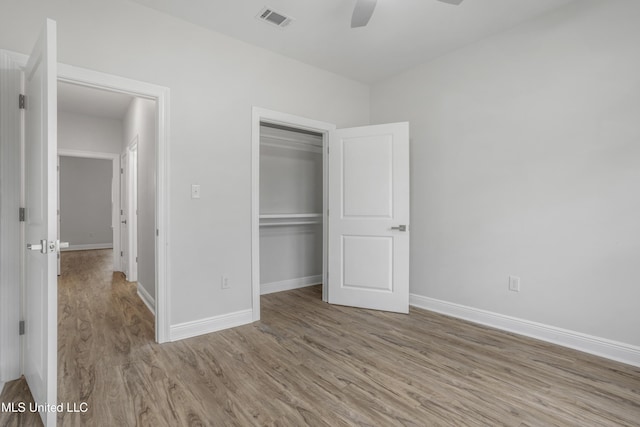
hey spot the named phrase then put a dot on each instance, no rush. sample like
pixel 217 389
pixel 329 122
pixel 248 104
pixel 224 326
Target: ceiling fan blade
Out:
pixel 455 2
pixel 362 13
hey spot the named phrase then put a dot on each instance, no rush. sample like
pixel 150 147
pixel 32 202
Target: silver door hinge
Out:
pixel 121 253
pixel 327 149
pixel 121 170
pixel 21 327
pixel 21 101
pixel 136 259
pixel 157 232
pixel 21 214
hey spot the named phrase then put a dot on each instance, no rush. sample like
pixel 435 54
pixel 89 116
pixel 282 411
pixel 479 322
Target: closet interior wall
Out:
pixel 291 178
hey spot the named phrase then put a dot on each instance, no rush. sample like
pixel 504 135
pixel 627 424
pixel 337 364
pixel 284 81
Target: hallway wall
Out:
pixel 85 202
pixel 88 133
pixel 140 121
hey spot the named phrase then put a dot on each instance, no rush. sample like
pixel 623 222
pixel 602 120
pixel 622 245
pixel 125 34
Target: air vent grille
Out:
pixel 274 18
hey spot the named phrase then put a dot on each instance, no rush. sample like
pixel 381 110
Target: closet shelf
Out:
pixel 275 220
pixel 283 223
pixel 290 144
pixel 290 216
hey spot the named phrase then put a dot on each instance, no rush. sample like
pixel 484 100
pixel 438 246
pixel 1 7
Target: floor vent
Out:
pixel 274 18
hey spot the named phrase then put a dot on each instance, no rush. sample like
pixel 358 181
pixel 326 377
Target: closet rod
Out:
pixel 288 216
pixel 278 224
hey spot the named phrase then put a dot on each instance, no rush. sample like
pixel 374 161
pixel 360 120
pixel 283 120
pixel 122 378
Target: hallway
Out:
pixel 102 324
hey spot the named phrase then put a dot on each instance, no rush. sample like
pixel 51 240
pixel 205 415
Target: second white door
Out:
pixel 369 217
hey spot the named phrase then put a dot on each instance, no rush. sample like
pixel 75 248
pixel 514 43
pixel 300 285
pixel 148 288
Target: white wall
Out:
pixel 85 202
pixel 526 161
pixel 88 133
pixel 214 82
pixel 140 121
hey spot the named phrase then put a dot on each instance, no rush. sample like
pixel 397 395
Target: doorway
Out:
pixel 82 177
pixel 312 137
pixel 98 119
pixel 159 207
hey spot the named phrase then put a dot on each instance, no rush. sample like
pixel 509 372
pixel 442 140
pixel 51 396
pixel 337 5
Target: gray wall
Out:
pixel 525 161
pixel 85 201
pixel 88 133
pixel 141 121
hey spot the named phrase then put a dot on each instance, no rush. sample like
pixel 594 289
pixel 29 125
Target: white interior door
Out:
pixel 369 217
pixel 41 287
pixel 132 217
pixel 124 226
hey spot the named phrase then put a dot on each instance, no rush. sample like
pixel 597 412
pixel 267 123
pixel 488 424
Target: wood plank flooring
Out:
pixel 310 363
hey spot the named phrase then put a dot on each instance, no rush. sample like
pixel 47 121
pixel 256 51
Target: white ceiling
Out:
pixel 93 102
pixel 401 33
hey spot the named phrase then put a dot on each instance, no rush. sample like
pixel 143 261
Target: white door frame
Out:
pixel 259 115
pixel 115 193
pixel 160 94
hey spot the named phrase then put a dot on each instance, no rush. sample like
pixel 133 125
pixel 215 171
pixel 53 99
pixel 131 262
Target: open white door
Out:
pixel 132 211
pixel 369 217
pixel 41 286
pixel 124 212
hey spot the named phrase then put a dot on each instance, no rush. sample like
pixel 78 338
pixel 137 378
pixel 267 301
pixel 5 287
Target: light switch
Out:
pixel 195 191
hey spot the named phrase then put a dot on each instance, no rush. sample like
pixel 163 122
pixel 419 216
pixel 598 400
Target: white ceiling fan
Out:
pixel 364 9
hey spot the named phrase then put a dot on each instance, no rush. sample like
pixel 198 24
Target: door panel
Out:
pixel 357 251
pixel 367 184
pixel 40 356
pixel 368 198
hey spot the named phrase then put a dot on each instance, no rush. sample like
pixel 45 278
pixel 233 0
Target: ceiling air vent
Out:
pixel 273 17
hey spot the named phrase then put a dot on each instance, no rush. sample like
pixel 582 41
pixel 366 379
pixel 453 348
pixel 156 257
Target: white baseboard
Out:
pixel 147 299
pixel 212 324
pixel 88 247
pixel 287 285
pixel 609 349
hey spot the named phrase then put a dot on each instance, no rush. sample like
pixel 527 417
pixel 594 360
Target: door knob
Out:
pixel 400 228
pixel 42 247
pixel 123 222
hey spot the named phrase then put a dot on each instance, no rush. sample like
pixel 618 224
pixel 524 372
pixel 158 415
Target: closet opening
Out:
pixel 289 204
pixel 291 218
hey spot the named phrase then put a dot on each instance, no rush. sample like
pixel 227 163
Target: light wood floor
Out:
pixel 310 363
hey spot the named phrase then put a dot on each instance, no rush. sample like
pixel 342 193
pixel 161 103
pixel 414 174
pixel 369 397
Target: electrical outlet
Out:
pixel 195 191
pixel 514 283
pixel 224 282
